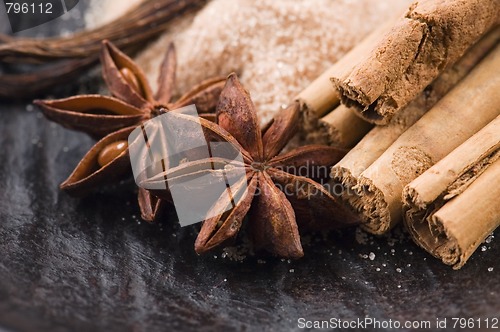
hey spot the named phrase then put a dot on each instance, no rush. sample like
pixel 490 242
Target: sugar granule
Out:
pixel 489 238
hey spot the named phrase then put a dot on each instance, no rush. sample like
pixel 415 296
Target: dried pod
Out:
pixel 132 104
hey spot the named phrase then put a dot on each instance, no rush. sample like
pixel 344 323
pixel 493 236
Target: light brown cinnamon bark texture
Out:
pixel 429 38
pixel 320 97
pixel 467 108
pixel 342 128
pixel 446 212
pixel 347 172
pixel 466 229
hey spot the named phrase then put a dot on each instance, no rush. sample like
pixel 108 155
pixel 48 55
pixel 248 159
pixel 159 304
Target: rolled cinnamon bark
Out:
pixel 451 208
pixel 431 36
pixel 342 128
pixel 345 175
pixel 467 108
pixel 320 98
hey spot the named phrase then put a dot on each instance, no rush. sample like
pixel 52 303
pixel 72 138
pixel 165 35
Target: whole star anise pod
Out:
pixel 277 199
pixel 112 119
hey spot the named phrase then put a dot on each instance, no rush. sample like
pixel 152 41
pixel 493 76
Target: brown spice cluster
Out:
pixel 112 119
pixel 278 199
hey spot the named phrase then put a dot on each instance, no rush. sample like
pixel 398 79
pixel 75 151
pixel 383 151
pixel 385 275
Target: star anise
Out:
pixel 112 119
pixel 277 199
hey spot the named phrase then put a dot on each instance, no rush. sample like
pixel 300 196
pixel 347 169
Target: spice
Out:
pixel 452 207
pixel 324 120
pixel 467 108
pixel 113 118
pixel 341 127
pixel 318 98
pixel 347 172
pixel 273 213
pixel 68 56
pixel 428 39
pixel 307 37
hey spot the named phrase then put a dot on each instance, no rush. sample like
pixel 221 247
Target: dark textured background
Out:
pixel 90 265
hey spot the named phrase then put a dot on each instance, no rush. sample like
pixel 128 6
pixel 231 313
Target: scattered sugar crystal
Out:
pixel 398 270
pixel 377 269
pixel 483 248
pixel 489 238
pixel 371 256
pixel 490 269
pixel 292 270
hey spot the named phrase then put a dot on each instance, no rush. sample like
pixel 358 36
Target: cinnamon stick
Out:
pixel 320 98
pixel 341 127
pixel 430 37
pixel 467 108
pixel 453 206
pixel 346 174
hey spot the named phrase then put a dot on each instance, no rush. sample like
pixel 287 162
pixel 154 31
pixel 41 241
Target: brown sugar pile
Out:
pixel 277 47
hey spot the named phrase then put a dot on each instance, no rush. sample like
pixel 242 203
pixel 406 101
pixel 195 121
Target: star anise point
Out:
pixel 111 119
pixel 273 212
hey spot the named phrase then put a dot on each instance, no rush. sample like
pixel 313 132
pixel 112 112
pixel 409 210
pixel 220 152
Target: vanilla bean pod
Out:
pixel 59 60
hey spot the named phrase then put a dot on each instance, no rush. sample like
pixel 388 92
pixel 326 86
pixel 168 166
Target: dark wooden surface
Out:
pixel 90 265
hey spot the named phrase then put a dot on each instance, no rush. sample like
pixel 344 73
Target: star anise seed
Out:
pixel 112 119
pixel 277 198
